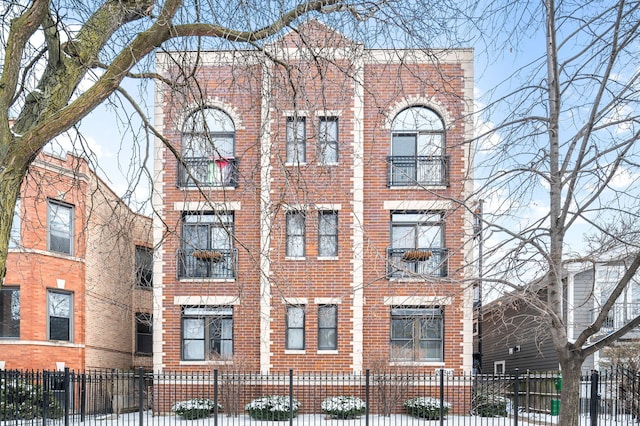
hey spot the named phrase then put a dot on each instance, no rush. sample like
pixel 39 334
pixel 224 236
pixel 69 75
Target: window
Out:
pixel 9 312
pixel 144 267
pixel 327 233
pixel 417 149
pixel 208 149
pixel 60 223
pixel 295 327
pixel 417 334
pixel 144 334
pixel 296 140
pixel 295 234
pixel 14 236
pixel 60 309
pixel 417 240
pixel 328 140
pixel 207 333
pixel 498 367
pixel 207 245
pixel 328 327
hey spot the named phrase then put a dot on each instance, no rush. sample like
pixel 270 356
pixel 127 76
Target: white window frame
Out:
pixel 70 208
pixel 51 312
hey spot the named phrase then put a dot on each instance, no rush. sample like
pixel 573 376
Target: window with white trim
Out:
pixel 417 148
pixel 60 227
pixel 208 149
pixel 327 233
pixel 295 327
pixel 207 332
pixel 327 327
pixel 296 140
pixel 60 315
pixel 295 238
pixel 417 334
pixel 328 140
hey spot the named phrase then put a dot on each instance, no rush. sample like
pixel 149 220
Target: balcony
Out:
pixel 417 263
pixel 417 171
pixel 218 263
pixel 208 172
pixel 619 315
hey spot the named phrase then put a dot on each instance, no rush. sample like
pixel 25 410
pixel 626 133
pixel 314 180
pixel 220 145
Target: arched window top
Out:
pixel 209 120
pixel 418 156
pixel 208 149
pixel 417 118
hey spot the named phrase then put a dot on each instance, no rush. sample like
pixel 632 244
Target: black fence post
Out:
pixel 45 396
pixel 593 403
pixel 140 396
pixel 291 397
pixel 367 389
pixel 516 390
pixel 215 397
pixel 83 396
pixel 441 396
pixel 67 398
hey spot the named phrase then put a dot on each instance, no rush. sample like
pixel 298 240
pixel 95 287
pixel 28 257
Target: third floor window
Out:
pixel 417 149
pixel 208 149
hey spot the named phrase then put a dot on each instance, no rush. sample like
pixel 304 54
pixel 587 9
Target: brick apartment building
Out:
pixel 77 292
pixel 315 219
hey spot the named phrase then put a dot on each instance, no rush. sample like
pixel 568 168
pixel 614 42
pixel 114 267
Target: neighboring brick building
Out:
pixel 317 220
pixel 77 293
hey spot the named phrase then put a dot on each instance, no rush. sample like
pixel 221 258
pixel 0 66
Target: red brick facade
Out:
pixel 364 90
pixel 97 274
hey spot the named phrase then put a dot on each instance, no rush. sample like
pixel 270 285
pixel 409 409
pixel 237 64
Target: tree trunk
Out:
pixel 11 176
pixel 571 369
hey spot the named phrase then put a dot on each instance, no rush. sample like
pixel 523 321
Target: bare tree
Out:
pixel 561 163
pixel 50 48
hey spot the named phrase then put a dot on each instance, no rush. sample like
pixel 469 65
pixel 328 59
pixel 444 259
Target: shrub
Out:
pixel 191 409
pixel 20 399
pixel 343 407
pixel 490 405
pixel 272 407
pixel 426 407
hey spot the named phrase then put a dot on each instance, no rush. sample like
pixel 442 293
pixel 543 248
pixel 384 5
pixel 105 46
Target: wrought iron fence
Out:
pixel 222 398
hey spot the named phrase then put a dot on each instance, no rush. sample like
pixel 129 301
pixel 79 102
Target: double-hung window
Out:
pixel 295 327
pixel 327 327
pixel 207 332
pixel 60 226
pixel 60 313
pixel 327 233
pixel 208 149
pixel 9 312
pixel 144 333
pixel 296 143
pixel 144 267
pixel 417 244
pixel 417 334
pixel 207 245
pixel 328 140
pixel 14 236
pixel 417 149
pixel 295 233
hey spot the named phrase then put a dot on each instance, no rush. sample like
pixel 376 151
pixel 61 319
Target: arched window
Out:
pixel 208 149
pixel 417 149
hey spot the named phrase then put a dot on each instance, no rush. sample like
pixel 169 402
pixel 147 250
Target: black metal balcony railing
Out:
pixel 216 263
pixel 415 263
pixel 205 171
pixel 619 315
pixel 418 171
